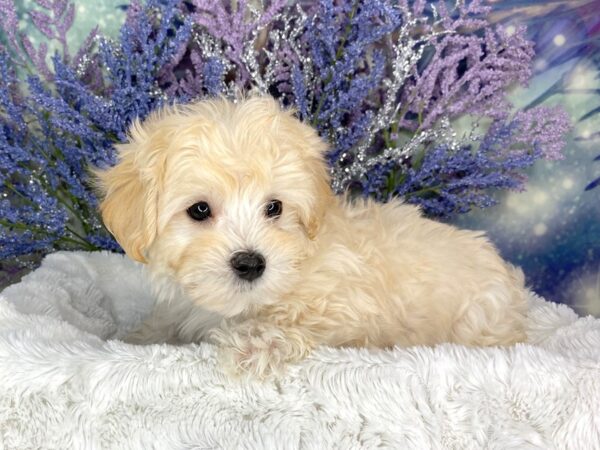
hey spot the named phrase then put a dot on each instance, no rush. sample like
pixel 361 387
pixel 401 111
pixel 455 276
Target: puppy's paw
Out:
pixel 146 335
pixel 255 349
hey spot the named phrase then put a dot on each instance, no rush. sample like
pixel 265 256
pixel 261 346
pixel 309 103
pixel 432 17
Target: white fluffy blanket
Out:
pixel 66 381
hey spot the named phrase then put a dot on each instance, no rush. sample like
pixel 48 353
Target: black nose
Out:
pixel 248 265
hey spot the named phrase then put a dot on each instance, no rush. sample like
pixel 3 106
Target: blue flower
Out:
pixel 335 63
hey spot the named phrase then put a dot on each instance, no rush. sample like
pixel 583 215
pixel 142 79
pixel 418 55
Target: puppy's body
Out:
pixel 337 273
pixel 383 275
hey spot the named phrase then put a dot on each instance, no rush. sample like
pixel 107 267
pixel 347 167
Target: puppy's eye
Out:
pixel 273 208
pixel 199 211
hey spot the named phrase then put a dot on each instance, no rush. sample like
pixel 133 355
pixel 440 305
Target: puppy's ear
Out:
pixel 313 156
pixel 311 219
pixel 129 204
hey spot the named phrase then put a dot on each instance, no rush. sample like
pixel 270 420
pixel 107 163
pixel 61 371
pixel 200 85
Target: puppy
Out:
pixel 230 206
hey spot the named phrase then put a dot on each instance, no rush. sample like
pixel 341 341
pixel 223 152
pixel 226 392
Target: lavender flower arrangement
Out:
pixel 381 81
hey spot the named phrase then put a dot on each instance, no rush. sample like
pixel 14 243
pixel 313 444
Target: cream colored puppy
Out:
pixel 230 207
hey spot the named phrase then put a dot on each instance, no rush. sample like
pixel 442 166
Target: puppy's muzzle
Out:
pixel 248 265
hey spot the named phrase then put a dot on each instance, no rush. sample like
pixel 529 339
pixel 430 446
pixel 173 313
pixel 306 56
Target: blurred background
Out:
pixel 552 229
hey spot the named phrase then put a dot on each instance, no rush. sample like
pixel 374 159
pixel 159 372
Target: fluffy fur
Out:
pixel 338 273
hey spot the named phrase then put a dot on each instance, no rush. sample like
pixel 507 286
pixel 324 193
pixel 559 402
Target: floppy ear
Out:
pixel 313 155
pixel 311 220
pixel 129 206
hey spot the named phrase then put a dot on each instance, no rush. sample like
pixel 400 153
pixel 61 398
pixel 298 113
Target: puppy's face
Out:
pixel 224 198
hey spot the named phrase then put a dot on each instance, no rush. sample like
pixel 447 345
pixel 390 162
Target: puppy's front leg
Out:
pixel 259 348
pixel 154 330
pixel 162 326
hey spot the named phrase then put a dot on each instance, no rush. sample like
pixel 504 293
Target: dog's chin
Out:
pixel 235 298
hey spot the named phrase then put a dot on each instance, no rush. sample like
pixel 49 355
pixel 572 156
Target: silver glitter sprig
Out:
pixel 407 51
pixel 86 58
pixel 253 47
pixel 210 47
pixel 443 134
pixel 287 37
pixel 250 57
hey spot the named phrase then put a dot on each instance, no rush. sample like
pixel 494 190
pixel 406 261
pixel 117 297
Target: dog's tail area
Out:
pixel 498 316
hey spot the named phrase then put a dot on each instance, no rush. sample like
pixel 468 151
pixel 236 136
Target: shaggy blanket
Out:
pixel 68 382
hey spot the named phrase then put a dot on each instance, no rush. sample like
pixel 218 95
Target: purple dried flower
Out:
pixel 544 128
pixel 369 75
pixel 299 91
pixel 445 181
pixel 9 22
pixel 43 170
pixel 467 74
pixel 230 23
pixel 53 23
pixel 42 23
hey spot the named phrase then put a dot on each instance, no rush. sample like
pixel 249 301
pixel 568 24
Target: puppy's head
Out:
pixel 223 197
